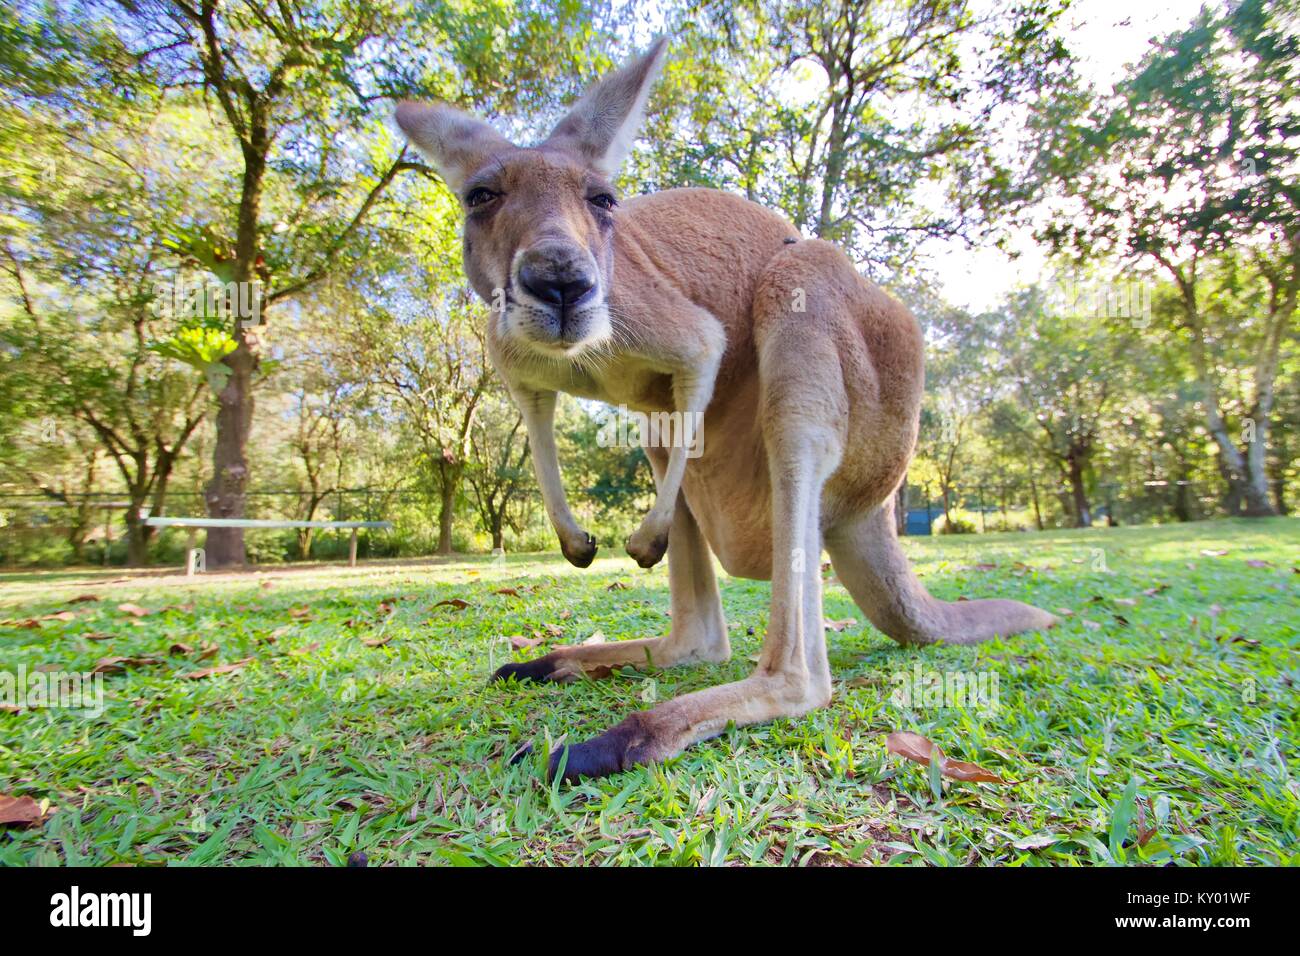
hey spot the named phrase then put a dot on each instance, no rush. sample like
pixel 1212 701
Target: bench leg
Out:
pixel 190 556
pixel 352 550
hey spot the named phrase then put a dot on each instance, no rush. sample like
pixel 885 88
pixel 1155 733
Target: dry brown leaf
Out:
pixel 117 665
pixel 1158 589
pixel 1126 602
pixel 83 598
pixel 96 636
pixel 60 616
pixel 1064 612
pixel 921 750
pixel 521 643
pixel 553 630
pixel 179 648
pixel 300 613
pixel 134 610
pixel 223 669
pixel 207 651
pixel 456 603
pixel 20 811
pixel 305 650
pixel 617 586
pixel 377 641
pixel 509 592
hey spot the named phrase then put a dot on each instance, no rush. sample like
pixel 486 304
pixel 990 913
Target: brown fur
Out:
pixel 809 416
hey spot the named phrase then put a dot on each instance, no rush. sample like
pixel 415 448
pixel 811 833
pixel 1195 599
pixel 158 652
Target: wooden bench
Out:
pixel 194 524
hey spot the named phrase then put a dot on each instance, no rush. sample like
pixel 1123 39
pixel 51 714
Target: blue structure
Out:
pixel 919 521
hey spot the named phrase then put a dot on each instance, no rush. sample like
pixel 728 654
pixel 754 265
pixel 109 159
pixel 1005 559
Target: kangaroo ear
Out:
pixel 457 144
pixel 602 126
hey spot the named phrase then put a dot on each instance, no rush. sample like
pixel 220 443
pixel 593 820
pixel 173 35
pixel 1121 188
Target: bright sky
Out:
pixel 1106 36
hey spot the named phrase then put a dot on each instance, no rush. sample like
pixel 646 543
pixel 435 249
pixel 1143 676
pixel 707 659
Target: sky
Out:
pixel 1106 36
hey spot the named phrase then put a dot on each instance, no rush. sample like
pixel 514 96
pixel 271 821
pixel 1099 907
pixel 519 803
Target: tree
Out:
pixel 837 112
pixel 1191 166
pixel 301 93
pixel 498 474
pixel 1069 373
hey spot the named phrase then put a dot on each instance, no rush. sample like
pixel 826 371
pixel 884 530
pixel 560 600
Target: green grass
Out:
pixel 1162 718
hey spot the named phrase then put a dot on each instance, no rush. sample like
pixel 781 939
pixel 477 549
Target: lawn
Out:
pixel 1157 723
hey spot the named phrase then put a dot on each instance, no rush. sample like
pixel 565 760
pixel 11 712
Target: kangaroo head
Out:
pixel 539 220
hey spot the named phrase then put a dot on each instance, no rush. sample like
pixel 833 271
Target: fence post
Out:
pixel 352 550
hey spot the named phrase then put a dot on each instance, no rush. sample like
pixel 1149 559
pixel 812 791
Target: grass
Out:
pixel 1156 724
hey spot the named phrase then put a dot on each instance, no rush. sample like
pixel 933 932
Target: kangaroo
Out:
pixel 806 377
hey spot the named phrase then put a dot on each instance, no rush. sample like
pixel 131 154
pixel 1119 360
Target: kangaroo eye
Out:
pixel 479 196
pixel 603 200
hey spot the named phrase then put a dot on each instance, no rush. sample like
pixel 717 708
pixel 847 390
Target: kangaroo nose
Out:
pixel 562 290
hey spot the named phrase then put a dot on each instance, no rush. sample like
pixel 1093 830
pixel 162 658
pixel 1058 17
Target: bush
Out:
pixel 955 526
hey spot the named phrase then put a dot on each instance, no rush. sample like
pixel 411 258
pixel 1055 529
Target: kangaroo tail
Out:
pixel 871 564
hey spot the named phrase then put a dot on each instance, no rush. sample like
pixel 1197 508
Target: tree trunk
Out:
pixel 225 493
pixel 137 535
pixel 1079 491
pixel 1182 500
pixel 498 536
pixel 1033 492
pixel 446 511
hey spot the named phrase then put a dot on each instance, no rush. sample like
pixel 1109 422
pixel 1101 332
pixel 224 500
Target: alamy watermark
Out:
pixel 199 298
pixel 1074 298
pixel 625 428
pixel 64 690
pixel 969 690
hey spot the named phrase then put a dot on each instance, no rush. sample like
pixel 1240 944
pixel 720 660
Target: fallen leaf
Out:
pixel 377 641
pixel 920 749
pixel 617 586
pixel 1126 602
pixel 207 651
pixel 1091 625
pixel 510 592
pixel 117 665
pixel 597 637
pixel 60 616
pixel 1213 553
pixel 1064 612
pixel 1158 589
pixel 10 709
pixel 134 610
pixel 456 603
pixel 521 643
pixel 553 630
pixel 838 626
pixel 96 636
pixel 179 648
pixel 1257 563
pixel 1145 833
pixel 223 669
pixel 300 613
pixel 305 650
pixel 83 598
pixel 19 810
